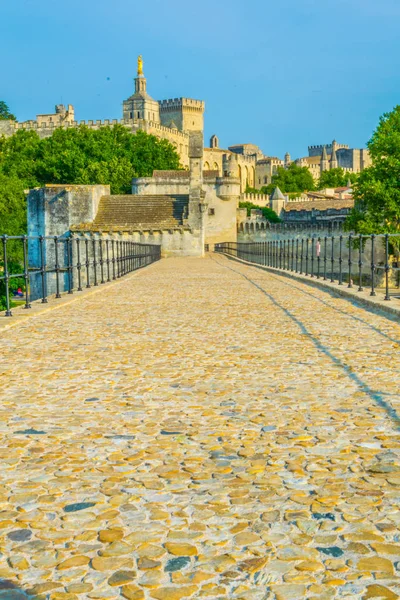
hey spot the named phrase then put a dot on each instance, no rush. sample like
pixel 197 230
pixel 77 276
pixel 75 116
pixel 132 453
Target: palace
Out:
pixel 175 118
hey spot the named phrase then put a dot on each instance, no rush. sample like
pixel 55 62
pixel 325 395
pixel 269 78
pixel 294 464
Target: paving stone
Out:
pixel 223 441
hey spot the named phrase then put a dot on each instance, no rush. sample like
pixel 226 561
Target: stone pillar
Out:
pixel 197 203
pixel 52 211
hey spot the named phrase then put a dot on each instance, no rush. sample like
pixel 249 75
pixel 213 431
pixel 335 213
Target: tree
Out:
pixel 267 212
pixel 5 112
pixel 377 193
pixel 110 155
pixel 336 178
pixel 293 179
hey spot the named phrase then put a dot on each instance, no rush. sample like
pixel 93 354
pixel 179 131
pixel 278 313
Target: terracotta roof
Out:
pixel 320 204
pixel 141 212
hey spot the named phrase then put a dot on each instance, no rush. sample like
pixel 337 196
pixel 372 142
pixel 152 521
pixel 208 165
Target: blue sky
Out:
pixel 282 74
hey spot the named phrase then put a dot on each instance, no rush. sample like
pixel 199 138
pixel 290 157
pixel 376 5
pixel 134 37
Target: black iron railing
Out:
pixel 361 261
pixel 46 265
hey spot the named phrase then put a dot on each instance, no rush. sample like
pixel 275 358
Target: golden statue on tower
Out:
pixel 140 65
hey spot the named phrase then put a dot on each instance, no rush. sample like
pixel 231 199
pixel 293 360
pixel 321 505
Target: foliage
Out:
pixel 267 212
pixel 251 190
pixel 110 155
pixel 293 179
pixel 377 193
pixel 5 114
pixel 336 178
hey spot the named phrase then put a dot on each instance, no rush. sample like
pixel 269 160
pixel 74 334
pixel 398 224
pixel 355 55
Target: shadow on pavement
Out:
pixel 12 591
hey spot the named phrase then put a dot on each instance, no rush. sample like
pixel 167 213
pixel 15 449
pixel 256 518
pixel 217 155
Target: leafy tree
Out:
pixel 293 179
pixel 336 178
pixel 110 155
pixel 267 212
pixel 377 193
pixel 5 112
pixel 12 206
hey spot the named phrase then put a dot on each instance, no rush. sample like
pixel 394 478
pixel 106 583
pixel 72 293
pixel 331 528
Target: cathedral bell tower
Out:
pixel 140 106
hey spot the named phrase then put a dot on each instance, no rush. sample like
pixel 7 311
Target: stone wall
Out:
pixel 45 129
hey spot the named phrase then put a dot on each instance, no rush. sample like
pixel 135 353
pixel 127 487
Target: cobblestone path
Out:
pixel 202 429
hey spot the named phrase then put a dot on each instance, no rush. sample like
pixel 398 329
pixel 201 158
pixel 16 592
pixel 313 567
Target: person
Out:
pixel 19 292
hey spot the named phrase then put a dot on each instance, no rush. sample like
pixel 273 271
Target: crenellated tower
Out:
pixel 334 161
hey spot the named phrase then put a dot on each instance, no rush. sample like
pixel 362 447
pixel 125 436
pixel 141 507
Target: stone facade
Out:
pixel 334 155
pixel 174 119
pixel 179 210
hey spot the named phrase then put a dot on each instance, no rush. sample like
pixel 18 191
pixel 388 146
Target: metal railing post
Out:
pixel 87 263
pixel 350 283
pixel 6 277
pixel 26 272
pixel 42 269
pixel 101 260
pixel 69 264
pixel 94 262
pixel 387 267
pixel 78 263
pixel 360 262
pixel 373 266
pixel 57 266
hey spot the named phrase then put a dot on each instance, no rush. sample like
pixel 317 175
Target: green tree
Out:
pixel 267 212
pixel 293 179
pixel 377 193
pixel 110 155
pixel 5 112
pixel 336 178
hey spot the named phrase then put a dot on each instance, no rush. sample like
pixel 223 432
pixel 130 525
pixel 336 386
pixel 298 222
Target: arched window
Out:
pixel 206 166
pixel 216 167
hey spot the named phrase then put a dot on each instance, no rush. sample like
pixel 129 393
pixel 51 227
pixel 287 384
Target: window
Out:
pixel 211 211
pixel 138 114
pixel 265 180
pixel 131 115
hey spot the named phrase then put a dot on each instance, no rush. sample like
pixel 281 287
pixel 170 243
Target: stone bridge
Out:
pixel 200 429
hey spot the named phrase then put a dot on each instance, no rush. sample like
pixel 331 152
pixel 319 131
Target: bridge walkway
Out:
pixel 201 429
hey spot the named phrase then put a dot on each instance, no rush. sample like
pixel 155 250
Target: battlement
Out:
pixel 164 129
pixel 317 150
pixel 255 198
pixel 242 158
pixel 180 103
pixel 95 124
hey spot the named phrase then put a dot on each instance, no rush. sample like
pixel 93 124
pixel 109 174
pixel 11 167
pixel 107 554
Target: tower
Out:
pixel 277 201
pixel 197 203
pixel 140 106
pixel 334 161
pixel 324 160
pixel 214 141
pixel 287 159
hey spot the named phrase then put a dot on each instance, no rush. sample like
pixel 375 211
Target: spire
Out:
pixel 324 165
pixel 277 194
pixel 334 160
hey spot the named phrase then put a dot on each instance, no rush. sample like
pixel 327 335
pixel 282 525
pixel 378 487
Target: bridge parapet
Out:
pixel 52 265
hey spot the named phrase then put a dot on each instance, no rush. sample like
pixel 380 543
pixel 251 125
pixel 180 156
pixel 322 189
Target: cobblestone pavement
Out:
pixel 202 429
